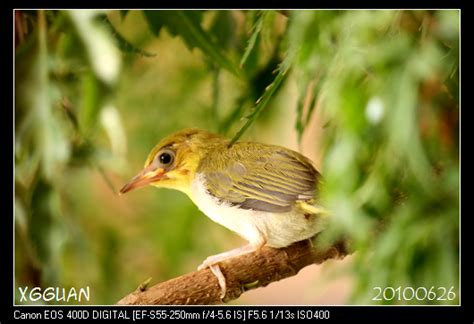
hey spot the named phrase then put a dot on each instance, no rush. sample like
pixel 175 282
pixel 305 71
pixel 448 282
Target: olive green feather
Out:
pixel 259 176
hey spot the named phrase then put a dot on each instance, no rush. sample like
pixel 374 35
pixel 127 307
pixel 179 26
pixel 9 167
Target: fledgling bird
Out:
pixel 265 193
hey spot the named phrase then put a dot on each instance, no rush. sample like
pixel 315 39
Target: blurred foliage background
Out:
pixel 371 96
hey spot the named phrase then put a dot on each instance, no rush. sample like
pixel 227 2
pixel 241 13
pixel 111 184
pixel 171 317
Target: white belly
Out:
pixel 273 229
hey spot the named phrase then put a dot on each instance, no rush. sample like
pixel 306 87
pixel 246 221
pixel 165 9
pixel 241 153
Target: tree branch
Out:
pixel 242 273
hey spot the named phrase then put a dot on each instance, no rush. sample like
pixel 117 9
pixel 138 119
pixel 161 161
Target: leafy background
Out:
pixel 371 96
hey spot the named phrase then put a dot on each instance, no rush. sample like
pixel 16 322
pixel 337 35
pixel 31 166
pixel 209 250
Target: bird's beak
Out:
pixel 145 177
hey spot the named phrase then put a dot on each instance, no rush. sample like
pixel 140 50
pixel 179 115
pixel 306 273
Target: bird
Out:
pixel 267 194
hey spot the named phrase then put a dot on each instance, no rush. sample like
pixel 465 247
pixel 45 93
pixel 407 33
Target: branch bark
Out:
pixel 242 273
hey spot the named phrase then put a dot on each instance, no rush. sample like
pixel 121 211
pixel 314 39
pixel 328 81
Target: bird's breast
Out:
pixel 258 227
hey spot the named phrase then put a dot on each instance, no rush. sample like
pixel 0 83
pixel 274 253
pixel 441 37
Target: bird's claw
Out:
pixel 216 270
pixel 212 263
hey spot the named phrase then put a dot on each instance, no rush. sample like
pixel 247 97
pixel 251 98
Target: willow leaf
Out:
pixel 123 14
pixel 257 28
pixel 123 44
pixel 263 101
pixel 187 25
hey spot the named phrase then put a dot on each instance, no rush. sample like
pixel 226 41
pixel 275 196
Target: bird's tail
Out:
pixel 313 209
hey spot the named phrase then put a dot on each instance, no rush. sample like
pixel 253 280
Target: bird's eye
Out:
pixel 165 157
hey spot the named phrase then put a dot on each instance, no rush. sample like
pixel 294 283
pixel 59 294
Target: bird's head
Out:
pixel 173 161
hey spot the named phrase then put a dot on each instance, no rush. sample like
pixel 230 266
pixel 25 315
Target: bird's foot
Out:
pixel 213 259
pixel 211 263
pixel 216 270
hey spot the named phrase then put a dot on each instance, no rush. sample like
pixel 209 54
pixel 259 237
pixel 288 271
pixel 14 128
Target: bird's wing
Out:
pixel 260 177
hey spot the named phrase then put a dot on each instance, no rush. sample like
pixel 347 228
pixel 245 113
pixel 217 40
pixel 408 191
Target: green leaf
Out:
pixel 103 54
pixel 46 232
pixel 90 103
pixel 223 28
pixel 123 14
pixel 263 101
pixel 49 135
pixel 187 25
pixel 305 106
pixel 123 44
pixel 257 28
pixel 113 126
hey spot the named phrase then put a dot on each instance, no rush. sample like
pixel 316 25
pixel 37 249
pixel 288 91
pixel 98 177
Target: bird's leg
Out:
pixel 212 261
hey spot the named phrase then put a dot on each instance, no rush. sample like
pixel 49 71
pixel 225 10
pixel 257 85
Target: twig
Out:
pixel 242 273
